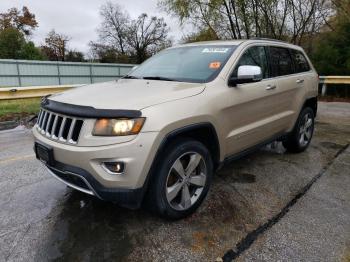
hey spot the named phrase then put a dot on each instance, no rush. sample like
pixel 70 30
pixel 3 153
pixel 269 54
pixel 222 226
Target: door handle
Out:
pixel 299 81
pixel 270 87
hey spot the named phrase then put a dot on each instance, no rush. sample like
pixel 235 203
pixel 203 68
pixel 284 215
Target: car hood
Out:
pixel 128 93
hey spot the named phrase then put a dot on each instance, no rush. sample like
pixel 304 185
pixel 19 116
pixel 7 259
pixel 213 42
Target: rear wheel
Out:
pixel 182 179
pixel 301 135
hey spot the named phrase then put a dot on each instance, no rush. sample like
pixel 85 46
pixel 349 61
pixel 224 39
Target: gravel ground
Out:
pixel 42 220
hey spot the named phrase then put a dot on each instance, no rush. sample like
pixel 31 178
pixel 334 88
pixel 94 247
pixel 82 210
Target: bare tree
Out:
pixel 55 46
pixel 114 27
pixel 122 39
pixel 146 36
pixel 292 20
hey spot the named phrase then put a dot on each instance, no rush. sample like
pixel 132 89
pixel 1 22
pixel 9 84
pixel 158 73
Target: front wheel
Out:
pixel 182 179
pixel 301 135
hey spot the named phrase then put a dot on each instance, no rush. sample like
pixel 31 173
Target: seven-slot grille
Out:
pixel 65 129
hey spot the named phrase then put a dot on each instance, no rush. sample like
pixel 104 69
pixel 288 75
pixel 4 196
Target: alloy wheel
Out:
pixel 186 180
pixel 305 130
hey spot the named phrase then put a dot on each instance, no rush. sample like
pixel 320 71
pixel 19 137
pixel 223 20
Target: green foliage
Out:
pixel 108 56
pixel 332 52
pixel 14 26
pixel 11 43
pixel 30 52
pixel 203 35
pixel 74 56
pixel 181 8
pixel 14 46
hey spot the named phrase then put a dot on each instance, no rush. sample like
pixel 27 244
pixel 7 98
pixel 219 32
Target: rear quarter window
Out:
pixel 300 61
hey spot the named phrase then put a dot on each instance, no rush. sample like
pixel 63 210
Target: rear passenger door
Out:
pixel 305 79
pixel 288 86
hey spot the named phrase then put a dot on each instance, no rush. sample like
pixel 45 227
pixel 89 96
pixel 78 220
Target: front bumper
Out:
pixel 81 180
pixel 86 162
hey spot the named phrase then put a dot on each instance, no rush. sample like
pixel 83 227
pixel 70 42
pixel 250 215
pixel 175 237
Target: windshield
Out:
pixel 197 64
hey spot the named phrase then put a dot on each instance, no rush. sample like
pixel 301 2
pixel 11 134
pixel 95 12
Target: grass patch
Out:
pixel 18 108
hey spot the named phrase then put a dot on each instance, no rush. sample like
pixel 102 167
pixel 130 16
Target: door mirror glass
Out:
pixel 246 74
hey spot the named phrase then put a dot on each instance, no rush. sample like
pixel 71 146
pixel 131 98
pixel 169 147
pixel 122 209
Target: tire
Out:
pixel 175 192
pixel 301 135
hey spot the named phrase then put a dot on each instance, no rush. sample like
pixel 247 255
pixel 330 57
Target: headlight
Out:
pixel 118 127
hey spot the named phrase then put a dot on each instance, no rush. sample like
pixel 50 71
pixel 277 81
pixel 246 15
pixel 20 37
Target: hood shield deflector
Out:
pixel 87 111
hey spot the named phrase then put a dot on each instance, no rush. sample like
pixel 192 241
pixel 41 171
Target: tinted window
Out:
pixel 281 62
pixel 300 62
pixel 253 56
pixel 188 64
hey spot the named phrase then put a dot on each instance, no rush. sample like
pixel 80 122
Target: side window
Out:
pixel 300 62
pixel 253 56
pixel 281 62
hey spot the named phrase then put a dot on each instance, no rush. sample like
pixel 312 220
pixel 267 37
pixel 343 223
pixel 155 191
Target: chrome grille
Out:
pixel 65 129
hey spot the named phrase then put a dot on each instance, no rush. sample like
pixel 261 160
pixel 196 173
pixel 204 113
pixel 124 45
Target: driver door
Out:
pixel 250 111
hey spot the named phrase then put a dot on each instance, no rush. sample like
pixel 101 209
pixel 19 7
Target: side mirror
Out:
pixel 246 74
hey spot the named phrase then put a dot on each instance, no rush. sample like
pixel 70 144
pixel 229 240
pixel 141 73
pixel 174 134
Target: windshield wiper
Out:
pixel 158 78
pixel 130 77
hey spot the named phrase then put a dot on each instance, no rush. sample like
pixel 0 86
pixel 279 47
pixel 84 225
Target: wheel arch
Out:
pixel 312 103
pixel 203 132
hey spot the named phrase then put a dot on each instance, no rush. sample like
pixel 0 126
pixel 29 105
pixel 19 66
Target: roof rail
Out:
pixel 267 39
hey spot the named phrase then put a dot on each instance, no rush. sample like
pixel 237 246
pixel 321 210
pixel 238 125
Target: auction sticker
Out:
pixel 215 50
pixel 214 65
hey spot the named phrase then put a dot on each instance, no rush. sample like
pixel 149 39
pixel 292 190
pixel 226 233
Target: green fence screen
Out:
pixel 16 73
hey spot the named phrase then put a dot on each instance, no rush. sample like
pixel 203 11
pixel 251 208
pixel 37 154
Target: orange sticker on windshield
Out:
pixel 214 65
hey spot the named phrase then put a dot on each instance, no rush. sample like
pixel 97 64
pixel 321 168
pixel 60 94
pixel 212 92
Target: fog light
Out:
pixel 114 167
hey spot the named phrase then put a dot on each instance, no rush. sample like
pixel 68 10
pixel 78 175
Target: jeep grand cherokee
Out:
pixel 159 133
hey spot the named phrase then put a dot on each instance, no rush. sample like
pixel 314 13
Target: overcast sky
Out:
pixel 80 18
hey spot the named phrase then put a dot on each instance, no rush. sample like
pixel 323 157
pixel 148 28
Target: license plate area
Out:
pixel 44 154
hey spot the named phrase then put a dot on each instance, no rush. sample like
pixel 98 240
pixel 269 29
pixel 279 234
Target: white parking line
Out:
pixel 6 160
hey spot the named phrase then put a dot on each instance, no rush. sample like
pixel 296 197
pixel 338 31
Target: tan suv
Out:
pixel 159 133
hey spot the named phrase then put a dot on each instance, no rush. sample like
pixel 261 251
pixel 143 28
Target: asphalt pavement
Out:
pixel 267 206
